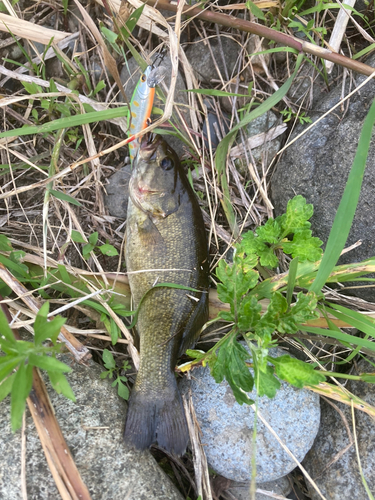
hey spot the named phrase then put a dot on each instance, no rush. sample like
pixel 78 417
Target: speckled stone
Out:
pixel 317 166
pixel 93 430
pixel 116 199
pixel 227 427
pixel 281 487
pixel 336 472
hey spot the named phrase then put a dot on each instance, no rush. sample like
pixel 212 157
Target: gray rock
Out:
pixel 317 167
pixel 93 430
pixel 263 154
pixel 116 199
pixel 200 58
pixel 130 75
pixel 281 487
pixel 227 427
pixel 341 479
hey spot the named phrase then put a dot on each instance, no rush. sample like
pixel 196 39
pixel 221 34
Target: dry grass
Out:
pixel 42 227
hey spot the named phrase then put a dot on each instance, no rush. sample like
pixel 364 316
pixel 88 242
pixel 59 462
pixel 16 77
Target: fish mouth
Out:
pixel 149 145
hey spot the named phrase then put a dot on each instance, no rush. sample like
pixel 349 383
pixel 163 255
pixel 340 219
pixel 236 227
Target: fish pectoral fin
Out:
pixel 150 235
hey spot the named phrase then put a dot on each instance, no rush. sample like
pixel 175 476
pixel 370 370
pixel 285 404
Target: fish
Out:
pixel 166 242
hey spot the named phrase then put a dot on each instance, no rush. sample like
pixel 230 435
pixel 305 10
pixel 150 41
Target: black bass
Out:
pixel 165 243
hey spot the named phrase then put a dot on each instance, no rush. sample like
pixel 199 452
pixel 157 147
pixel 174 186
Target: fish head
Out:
pixel 154 186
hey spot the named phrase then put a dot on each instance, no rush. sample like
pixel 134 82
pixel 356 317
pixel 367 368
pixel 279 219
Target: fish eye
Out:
pixel 143 78
pixel 166 163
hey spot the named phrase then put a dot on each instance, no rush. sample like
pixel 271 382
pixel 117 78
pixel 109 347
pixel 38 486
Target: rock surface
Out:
pixel 317 166
pixel 263 154
pixel 116 199
pixel 93 430
pixel 341 479
pixel 204 65
pixel 227 427
pixel 280 487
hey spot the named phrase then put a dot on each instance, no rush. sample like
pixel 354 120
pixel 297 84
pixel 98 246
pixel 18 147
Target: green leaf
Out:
pixel 21 388
pixel 17 269
pixel 6 386
pixel 109 361
pixel 266 383
pixel 255 10
pixel 45 329
pixel 71 121
pixel 270 232
pixel 108 34
pixel 65 197
pixel 77 237
pixel 8 364
pixel 366 377
pixel 296 372
pixel 109 250
pixel 304 246
pixel 5 245
pixel 348 204
pixel 134 18
pixel 5 330
pixel 248 314
pixel 93 238
pixel 122 390
pixel 87 249
pixel 61 385
pixel 232 357
pixel 297 215
pixel 48 363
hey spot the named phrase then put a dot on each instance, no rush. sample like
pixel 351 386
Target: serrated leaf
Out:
pixel 108 249
pixel 77 237
pixel 304 246
pixel 232 357
pixel 45 329
pixel 122 390
pixel 248 314
pixel 20 390
pixel 267 385
pixel 296 372
pixel 6 386
pixel 270 232
pixel 298 212
pixel 267 258
pixel 109 361
pixel 48 363
pixel 61 385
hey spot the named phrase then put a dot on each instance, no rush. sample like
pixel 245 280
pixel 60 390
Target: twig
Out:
pixel 270 34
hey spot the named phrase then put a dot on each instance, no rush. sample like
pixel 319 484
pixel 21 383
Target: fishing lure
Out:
pixel 141 104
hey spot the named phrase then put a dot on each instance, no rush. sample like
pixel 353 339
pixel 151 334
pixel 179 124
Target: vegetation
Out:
pixel 60 143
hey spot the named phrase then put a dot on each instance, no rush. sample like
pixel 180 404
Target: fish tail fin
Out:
pixel 160 418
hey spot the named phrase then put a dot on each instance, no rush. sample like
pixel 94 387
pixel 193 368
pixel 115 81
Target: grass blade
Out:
pixel 348 204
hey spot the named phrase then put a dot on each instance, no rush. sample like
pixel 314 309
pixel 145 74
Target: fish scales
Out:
pixel 165 243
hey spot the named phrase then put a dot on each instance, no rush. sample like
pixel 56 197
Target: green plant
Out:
pixel 113 371
pixel 287 312
pixel 91 245
pixel 288 114
pixel 23 356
